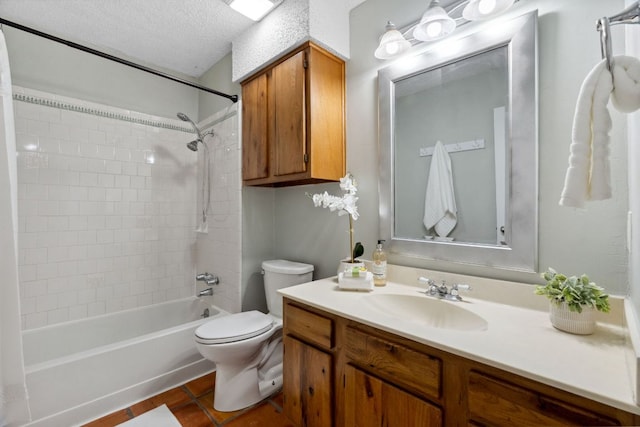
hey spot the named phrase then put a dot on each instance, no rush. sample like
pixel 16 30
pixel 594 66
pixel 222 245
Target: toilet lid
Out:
pixel 234 327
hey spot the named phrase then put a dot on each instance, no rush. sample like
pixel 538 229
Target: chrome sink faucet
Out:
pixel 442 291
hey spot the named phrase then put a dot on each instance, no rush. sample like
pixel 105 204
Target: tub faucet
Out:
pixel 205 292
pixel 208 278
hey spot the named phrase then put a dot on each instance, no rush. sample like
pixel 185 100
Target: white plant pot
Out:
pixel 570 321
pixel 344 264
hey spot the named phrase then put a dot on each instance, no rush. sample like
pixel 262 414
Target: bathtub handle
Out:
pixel 208 278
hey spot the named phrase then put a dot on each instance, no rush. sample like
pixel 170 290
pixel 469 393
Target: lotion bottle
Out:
pixel 379 268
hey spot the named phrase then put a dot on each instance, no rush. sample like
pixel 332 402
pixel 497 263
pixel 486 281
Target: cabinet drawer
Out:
pixel 308 326
pixel 401 365
pixel 500 403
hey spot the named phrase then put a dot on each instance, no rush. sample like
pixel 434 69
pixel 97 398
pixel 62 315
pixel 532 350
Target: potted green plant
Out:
pixel 573 301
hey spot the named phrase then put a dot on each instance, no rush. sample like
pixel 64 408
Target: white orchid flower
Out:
pixel 348 184
pixel 345 205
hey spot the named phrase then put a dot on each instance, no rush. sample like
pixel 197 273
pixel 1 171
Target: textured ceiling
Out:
pixel 185 36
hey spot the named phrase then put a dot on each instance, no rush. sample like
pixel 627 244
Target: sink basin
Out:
pixel 425 310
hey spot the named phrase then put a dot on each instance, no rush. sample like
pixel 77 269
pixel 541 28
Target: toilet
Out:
pixel 247 347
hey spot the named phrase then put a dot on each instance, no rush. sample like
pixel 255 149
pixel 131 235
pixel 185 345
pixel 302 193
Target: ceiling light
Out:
pixel 391 43
pixel 435 24
pixel 483 9
pixel 253 9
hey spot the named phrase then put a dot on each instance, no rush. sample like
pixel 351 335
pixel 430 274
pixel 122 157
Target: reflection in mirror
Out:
pixel 462 105
pixel 480 103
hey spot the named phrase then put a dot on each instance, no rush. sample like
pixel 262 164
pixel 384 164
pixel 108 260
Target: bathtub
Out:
pixel 80 370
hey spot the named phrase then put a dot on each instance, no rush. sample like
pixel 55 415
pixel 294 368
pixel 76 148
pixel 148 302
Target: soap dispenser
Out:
pixel 379 267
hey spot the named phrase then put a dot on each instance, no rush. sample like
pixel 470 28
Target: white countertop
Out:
pixel 518 339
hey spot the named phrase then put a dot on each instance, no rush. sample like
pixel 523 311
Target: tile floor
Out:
pixel 192 405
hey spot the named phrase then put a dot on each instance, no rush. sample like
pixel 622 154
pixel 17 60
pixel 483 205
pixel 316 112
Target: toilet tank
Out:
pixel 280 273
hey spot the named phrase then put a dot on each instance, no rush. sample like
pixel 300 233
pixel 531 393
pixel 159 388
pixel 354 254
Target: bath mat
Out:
pixel 158 417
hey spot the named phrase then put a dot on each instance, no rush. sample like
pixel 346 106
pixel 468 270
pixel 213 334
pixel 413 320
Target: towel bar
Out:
pixel 630 15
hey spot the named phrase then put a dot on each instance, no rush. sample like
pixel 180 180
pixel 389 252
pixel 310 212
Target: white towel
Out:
pixel 362 283
pixel 440 203
pixel 588 176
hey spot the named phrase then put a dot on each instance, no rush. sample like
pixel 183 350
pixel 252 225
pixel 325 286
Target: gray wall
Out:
pixel 217 77
pixel 41 64
pixel 570 240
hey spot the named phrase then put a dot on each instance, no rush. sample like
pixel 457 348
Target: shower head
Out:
pixel 193 145
pixel 185 118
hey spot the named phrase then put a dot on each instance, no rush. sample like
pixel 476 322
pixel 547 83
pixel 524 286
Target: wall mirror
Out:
pixel 479 99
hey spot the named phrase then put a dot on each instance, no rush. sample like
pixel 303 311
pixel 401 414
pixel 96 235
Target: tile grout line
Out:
pixel 199 404
pixel 129 412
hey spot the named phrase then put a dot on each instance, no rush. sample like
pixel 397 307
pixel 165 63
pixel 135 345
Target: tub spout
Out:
pixel 208 291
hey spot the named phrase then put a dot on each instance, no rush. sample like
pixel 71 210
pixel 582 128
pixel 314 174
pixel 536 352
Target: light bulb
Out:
pixel 485 7
pixel 392 48
pixel 434 29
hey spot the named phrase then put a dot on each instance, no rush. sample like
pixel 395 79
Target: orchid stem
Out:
pixel 351 238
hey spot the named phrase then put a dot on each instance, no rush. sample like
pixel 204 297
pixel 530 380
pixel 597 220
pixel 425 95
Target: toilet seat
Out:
pixel 234 327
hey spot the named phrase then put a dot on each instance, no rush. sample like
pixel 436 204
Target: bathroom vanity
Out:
pixel 349 363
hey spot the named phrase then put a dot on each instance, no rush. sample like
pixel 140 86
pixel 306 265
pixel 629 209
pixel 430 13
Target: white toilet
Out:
pixel 247 346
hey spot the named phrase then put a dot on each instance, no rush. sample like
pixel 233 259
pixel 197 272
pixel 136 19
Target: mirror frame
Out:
pixel 519 35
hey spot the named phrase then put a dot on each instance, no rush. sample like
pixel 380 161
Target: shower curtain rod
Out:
pixel 86 49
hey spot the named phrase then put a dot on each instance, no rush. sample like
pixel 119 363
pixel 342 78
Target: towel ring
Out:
pixel 605 41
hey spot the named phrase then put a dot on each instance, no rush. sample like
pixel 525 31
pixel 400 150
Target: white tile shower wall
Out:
pixel 107 202
pixel 219 250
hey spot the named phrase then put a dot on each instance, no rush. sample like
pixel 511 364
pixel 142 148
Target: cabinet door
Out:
pixel 370 401
pixel 307 385
pixel 255 146
pixel 288 102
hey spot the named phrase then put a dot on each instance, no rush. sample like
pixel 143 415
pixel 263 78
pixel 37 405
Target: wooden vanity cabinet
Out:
pixel 293 120
pixel 342 373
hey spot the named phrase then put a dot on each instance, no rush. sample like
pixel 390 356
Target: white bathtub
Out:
pixel 80 370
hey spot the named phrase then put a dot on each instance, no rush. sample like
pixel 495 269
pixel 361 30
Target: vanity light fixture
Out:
pixel 392 43
pixel 253 9
pixel 436 23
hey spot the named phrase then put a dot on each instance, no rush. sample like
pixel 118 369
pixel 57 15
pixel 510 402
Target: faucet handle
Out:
pixel 432 288
pixel 208 278
pixel 426 281
pixel 457 287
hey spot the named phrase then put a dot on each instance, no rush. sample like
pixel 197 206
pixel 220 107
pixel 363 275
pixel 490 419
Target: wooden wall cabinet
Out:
pixel 293 120
pixel 362 376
